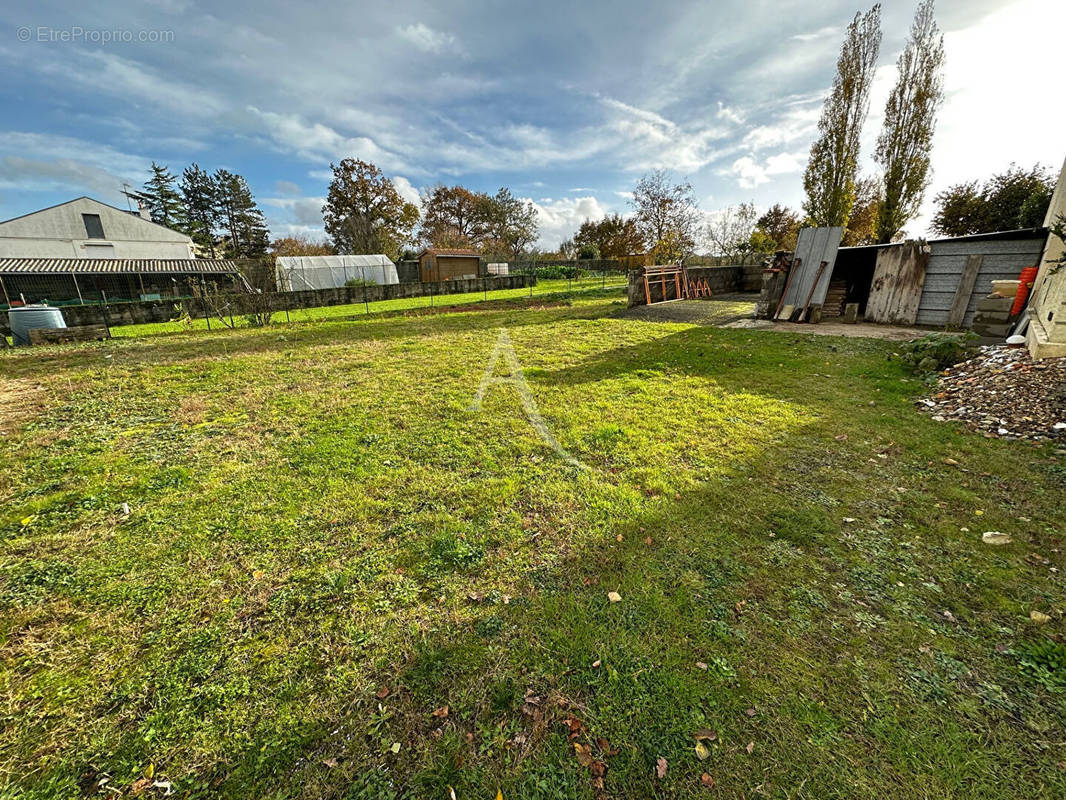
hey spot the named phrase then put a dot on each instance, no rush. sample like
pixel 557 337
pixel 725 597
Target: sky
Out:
pixel 565 103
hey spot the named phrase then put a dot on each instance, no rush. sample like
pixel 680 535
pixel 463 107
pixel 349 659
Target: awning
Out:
pixel 115 266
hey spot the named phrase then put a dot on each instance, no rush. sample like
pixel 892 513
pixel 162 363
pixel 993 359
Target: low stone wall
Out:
pixel 722 280
pixel 163 311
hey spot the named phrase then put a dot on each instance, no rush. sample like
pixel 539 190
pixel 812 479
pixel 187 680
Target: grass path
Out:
pixel 334 581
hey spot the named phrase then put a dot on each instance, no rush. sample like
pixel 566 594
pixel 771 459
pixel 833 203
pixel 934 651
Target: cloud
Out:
pixel 407 191
pixel 426 39
pixel 822 33
pixel 751 173
pixel 560 218
pixel 287 188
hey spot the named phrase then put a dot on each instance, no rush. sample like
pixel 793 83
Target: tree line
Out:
pixel 217 210
pixel 364 213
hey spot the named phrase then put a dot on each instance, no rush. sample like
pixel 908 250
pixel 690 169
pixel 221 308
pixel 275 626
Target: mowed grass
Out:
pixel 324 549
pixel 591 285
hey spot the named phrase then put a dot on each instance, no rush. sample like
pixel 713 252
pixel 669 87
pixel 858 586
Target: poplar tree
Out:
pixel 829 181
pixel 906 139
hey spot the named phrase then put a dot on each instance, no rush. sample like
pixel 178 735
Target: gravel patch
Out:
pixel 1003 393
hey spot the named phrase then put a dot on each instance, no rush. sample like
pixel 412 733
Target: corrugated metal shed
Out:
pixel 814 246
pixel 114 266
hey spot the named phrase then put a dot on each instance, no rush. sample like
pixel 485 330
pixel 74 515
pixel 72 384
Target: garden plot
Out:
pixel 295 562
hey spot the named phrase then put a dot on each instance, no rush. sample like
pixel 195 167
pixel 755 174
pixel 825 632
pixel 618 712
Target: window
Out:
pixel 94 229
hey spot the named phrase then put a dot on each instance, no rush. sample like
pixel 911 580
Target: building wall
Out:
pixel 1046 336
pixel 1003 259
pixel 59 232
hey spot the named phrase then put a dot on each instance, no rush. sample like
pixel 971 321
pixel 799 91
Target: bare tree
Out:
pixel 666 211
pixel 830 177
pixel 728 234
pixel 906 139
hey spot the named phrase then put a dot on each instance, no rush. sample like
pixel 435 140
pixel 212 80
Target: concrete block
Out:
pixel 851 313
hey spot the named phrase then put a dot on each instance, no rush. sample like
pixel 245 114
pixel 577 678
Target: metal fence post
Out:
pixel 203 300
pixel 103 307
pixel 366 304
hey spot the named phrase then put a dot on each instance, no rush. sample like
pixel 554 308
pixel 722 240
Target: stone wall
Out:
pixel 163 311
pixel 722 280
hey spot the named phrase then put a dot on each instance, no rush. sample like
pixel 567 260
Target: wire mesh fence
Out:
pixel 139 304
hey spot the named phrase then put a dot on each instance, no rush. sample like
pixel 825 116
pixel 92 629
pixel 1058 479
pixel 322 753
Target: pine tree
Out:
pixel 201 202
pixel 165 203
pixel 910 115
pixel 830 177
pixel 242 220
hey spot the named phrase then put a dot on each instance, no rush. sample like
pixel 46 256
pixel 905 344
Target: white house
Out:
pixel 87 228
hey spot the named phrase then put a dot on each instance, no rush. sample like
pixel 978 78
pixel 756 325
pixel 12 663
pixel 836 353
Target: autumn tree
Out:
pixel 830 178
pixel 728 233
pixel 454 216
pixel 776 229
pixel 613 236
pixel 299 244
pixel 862 222
pixel 1015 198
pixel 510 225
pixel 906 139
pixel 666 208
pixel 364 212
pixel 161 196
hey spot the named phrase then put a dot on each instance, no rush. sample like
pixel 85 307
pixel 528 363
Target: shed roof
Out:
pixel 449 251
pixel 1021 233
pixel 97 266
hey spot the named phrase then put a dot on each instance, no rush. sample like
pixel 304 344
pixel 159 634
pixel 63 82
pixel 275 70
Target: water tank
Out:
pixel 25 318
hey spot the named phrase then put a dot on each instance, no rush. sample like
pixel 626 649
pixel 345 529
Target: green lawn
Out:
pixel 613 285
pixel 323 547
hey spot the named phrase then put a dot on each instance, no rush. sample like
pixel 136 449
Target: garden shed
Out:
pixel 437 264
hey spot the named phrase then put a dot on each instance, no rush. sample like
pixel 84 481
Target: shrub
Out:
pixel 938 350
pixel 355 283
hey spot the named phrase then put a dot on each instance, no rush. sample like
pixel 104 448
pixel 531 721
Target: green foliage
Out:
pixel 1043 661
pixel 356 283
pixel 1016 198
pixel 936 351
pixel 906 139
pixel 830 178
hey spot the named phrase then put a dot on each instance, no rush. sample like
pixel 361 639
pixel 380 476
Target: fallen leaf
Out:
pixel 596 663
pixel 705 734
pixel 382 693
pixel 750 712
pixel 951 462
pixel 701 664
pixel 395 747
pixel 843 437
pixel 702 751
pixel 614 597
pixel 140 785
pixel 499 794
pixel 660 767
pixel 707 780
pixel 618 537
pixel 750 747
pixel 1039 617
pixel 584 754
pixel 330 762
pixel 647 541
pixel 441 712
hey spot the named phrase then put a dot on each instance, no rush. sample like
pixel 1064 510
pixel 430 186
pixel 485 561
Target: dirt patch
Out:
pixel 1002 392
pixel 20 399
pixel 859 330
pixel 718 310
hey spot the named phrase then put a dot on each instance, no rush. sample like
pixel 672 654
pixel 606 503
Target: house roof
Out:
pixel 133 214
pixel 103 266
pixel 449 251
